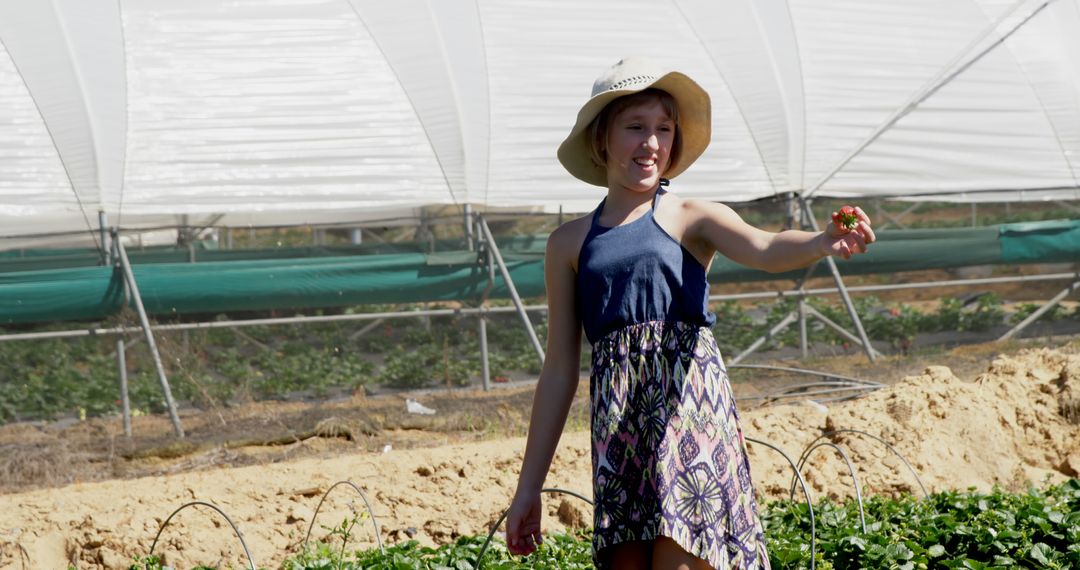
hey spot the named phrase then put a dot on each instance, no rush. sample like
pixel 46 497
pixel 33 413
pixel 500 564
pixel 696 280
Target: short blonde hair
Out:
pixel 598 128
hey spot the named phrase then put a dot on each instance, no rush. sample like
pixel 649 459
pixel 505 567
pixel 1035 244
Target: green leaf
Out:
pixel 898 552
pixel 935 550
pixel 1042 553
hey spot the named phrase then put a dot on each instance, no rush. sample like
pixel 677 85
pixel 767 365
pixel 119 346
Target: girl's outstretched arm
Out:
pixel 554 392
pixel 725 231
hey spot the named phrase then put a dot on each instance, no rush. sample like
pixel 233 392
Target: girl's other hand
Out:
pixel 846 242
pixel 523 524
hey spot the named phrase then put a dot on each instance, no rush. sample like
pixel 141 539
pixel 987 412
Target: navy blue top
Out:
pixel 635 273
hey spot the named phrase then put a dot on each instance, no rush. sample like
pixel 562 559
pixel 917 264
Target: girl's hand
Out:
pixel 523 524
pixel 847 240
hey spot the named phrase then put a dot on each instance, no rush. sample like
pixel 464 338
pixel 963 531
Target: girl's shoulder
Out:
pixel 565 242
pixel 688 206
pixel 691 211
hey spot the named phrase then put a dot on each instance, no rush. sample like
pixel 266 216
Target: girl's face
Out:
pixel 639 142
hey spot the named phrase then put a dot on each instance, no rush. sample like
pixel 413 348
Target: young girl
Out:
pixel 671 481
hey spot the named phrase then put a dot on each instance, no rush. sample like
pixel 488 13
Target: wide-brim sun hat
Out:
pixel 629 76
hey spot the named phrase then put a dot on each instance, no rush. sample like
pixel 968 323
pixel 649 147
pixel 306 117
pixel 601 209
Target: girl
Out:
pixel 671 481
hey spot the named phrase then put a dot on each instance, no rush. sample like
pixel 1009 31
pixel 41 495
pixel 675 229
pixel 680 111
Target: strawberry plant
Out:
pixel 950 530
pixel 979 315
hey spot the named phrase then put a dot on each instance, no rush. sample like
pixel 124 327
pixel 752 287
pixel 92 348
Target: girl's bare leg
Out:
pixel 668 555
pixel 636 555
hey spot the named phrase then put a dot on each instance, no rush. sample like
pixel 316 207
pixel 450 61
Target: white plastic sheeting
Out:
pixel 256 112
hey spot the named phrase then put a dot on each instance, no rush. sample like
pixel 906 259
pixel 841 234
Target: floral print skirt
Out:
pixel 668 454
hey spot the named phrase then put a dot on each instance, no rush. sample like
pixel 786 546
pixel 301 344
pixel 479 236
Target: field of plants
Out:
pixel 1038 529
pixel 51 379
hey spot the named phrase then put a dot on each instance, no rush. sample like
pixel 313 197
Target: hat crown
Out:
pixel 627 74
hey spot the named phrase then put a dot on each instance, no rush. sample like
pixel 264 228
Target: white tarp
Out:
pixel 255 112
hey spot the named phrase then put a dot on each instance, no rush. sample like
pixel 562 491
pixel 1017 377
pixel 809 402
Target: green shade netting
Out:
pixel 224 281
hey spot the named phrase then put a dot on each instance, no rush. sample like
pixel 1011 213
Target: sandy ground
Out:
pixel 1016 422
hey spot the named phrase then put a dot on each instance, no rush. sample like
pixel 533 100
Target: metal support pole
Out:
pixel 1042 310
pixel 494 249
pixel 129 276
pixel 897 218
pixel 367 328
pixel 485 368
pixel 809 217
pixel 469 242
pixel 804 348
pixel 125 401
pixel 790 318
pixel 839 329
pixel 103 227
pixel 793 215
pixel 481 309
pixel 356 236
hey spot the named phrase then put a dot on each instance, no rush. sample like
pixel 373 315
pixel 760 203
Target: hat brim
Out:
pixel 695 127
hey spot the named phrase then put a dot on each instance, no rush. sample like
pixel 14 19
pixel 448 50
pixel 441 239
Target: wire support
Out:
pixel 874 437
pixel 806 493
pixel 371 512
pixel 851 470
pixel 214 507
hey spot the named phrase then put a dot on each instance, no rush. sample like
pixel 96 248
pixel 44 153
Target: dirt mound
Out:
pixel 1016 422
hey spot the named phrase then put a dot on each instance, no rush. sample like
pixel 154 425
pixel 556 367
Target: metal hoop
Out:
pixel 851 470
pixel 378 537
pixel 806 493
pixel 883 442
pixel 236 530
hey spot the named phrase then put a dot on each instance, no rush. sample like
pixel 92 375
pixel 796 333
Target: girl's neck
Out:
pixel 625 203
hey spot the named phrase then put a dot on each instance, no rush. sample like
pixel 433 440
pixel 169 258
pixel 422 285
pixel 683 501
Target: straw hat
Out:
pixel 628 76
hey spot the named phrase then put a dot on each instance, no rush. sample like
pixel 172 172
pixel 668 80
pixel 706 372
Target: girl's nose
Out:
pixel 651 142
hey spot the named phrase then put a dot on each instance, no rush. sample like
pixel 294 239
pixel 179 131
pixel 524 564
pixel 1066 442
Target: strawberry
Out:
pixel 845 219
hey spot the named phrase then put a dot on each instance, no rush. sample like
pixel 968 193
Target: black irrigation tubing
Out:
pixel 851 469
pixel 885 443
pixel 219 511
pixel 378 537
pixel 495 527
pixel 806 493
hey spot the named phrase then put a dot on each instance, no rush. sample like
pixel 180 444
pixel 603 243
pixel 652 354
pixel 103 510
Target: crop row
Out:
pixel 1039 528
pixel 78 377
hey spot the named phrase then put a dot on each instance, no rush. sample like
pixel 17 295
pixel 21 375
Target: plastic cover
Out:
pixel 317 111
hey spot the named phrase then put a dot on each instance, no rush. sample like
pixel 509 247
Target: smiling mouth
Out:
pixel 645 162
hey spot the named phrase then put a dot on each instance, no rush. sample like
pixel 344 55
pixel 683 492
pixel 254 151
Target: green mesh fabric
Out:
pixel 222 281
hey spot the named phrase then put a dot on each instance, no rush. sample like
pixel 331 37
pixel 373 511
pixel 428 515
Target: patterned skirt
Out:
pixel 668 454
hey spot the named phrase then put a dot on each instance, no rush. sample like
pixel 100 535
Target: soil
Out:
pixel 82 493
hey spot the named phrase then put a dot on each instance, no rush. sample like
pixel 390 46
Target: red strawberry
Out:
pixel 845 219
